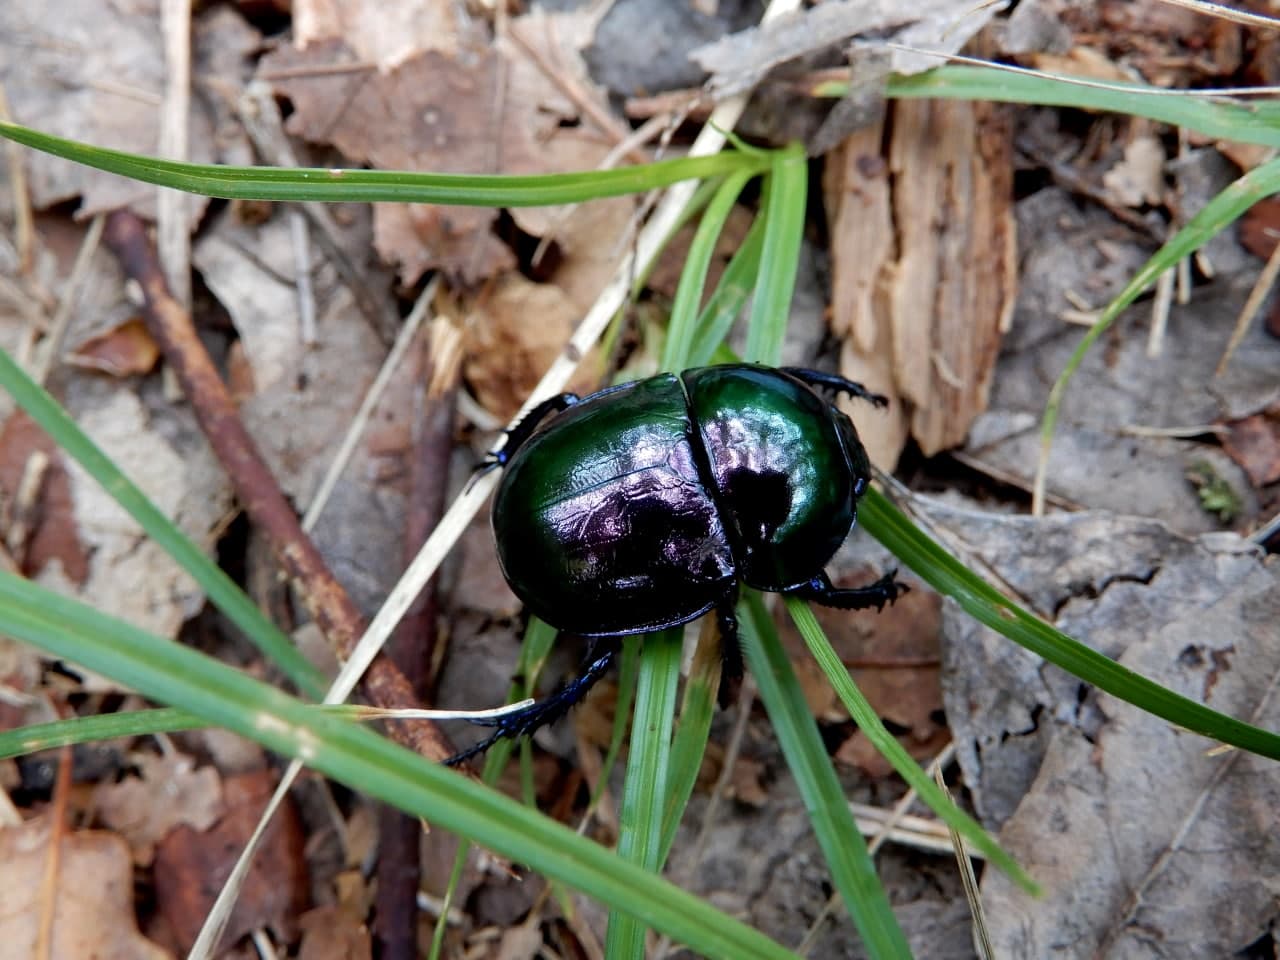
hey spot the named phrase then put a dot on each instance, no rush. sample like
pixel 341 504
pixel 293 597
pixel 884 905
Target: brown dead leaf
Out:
pixel 53 538
pixel 93 72
pixel 384 34
pixel 512 338
pixel 501 109
pixel 122 351
pixel 130 576
pixel 170 791
pixel 334 932
pixel 93 911
pixel 1260 227
pixel 1254 443
pixel 191 866
pixel 1138 179
pixel 430 113
pixel 1081 61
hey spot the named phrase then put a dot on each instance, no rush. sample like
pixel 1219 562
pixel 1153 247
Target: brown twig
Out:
pixel 324 598
pixel 412 647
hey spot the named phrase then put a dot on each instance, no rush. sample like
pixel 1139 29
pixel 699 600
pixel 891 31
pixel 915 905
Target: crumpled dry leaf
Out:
pixel 122 351
pixel 93 72
pixel 740 60
pixel 1093 461
pixel 170 791
pixel 191 866
pixel 513 336
pixel 94 906
pixel 334 932
pixel 1147 843
pixel 1254 443
pixel 384 34
pixel 129 575
pixel 1139 178
pixel 490 110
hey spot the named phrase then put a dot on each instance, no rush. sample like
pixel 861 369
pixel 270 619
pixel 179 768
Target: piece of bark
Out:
pixel 924 276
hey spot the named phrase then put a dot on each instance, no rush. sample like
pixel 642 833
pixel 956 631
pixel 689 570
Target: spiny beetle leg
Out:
pixel 526 722
pixel 731 669
pixel 525 428
pixel 820 590
pixel 831 381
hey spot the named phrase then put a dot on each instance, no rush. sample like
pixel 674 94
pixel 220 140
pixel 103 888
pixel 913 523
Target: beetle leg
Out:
pixel 525 722
pixel 820 590
pixel 731 669
pixel 831 381
pixel 525 428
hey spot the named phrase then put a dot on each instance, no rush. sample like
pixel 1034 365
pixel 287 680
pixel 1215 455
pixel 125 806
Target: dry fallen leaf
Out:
pixel 191 866
pixel 93 906
pixel 385 34
pixel 334 932
pixel 1138 179
pixel 1254 443
pixel 52 536
pixel 511 339
pixel 169 791
pixel 1147 842
pixel 93 72
pixel 123 351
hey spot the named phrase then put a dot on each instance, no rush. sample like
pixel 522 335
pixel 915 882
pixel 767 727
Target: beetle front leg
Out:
pixel 526 722
pixel 525 428
pixel 831 381
pixel 820 590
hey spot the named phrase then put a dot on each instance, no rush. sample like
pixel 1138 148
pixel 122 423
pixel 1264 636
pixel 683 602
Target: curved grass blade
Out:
pixel 785 210
pixel 1246 122
pixel 371 764
pixel 727 300
pixel 294 183
pixel 693 277
pixel 985 604
pixel 1217 215
pixel 852 871
pixel 887 746
pixel 222 592
pixel 645 787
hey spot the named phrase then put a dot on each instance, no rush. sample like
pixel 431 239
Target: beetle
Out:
pixel 644 505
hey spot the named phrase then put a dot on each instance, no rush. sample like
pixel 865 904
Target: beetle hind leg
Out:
pixel 527 721
pixel 820 590
pixel 836 383
pixel 731 667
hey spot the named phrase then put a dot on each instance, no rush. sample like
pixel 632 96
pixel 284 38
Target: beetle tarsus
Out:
pixel 526 722
pixel 831 381
pixel 885 590
pixel 525 428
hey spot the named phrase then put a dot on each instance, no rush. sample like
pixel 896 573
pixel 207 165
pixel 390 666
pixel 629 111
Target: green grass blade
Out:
pixel 645 790
pixel 985 604
pixel 684 311
pixel 784 218
pixel 690 745
pixel 373 765
pixel 293 183
pixel 852 871
pixel 1217 215
pixel 728 299
pixel 107 726
pixel 222 592
pixel 887 745
pixel 1254 121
